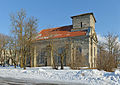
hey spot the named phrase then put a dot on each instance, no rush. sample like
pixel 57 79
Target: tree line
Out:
pixel 109 52
pixel 18 47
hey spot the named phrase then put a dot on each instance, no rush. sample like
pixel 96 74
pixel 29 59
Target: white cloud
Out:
pixel 101 38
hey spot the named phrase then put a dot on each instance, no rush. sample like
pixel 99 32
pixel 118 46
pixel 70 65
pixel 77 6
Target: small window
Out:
pixel 81 24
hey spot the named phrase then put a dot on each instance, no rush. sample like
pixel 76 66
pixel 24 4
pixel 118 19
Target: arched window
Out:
pixel 61 51
pixel 79 49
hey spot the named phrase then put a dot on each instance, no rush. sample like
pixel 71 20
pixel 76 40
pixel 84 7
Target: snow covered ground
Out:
pixel 66 76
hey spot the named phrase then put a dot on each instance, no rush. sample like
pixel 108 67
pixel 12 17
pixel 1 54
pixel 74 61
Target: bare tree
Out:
pixel 52 50
pixel 25 29
pixel 62 52
pixel 109 51
pixel 30 34
pixel 17 27
pixel 13 51
pixel 3 49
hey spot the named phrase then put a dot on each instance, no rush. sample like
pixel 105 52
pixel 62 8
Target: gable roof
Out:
pixel 58 32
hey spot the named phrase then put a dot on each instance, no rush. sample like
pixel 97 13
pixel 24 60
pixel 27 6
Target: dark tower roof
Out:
pixel 85 14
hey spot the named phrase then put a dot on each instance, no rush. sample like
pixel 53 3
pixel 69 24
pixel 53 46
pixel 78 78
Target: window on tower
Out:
pixel 81 24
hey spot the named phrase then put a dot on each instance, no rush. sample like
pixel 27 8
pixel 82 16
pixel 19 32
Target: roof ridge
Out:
pixel 59 27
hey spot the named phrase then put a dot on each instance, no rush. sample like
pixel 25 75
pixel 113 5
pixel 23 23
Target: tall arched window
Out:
pixel 62 51
pixel 79 49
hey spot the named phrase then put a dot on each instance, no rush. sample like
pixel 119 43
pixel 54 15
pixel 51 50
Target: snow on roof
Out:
pixel 58 32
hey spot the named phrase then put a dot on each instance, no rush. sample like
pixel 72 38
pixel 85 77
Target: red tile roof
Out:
pixel 58 32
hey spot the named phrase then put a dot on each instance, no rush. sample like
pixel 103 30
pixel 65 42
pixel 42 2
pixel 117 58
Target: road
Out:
pixel 11 81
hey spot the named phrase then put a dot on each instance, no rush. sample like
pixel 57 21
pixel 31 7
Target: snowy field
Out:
pixel 66 76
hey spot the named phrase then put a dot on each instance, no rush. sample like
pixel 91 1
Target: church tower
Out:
pixel 86 22
pixel 83 21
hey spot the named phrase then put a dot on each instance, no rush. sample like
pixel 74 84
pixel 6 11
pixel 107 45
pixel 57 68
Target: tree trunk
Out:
pixel 24 62
pixel 21 60
pixel 52 58
pixel 35 56
pixel 62 58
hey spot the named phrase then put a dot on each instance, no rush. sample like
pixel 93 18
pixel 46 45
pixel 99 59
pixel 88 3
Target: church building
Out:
pixel 76 43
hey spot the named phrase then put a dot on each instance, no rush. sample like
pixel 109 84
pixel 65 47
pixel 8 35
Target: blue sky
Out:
pixel 55 13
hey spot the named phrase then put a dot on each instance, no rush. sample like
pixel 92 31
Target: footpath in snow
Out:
pixel 47 74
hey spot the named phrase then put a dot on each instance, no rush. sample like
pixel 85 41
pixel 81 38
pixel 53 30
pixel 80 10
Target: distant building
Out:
pixel 80 39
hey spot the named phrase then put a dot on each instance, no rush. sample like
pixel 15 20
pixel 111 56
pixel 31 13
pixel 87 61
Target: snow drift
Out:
pixel 47 74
